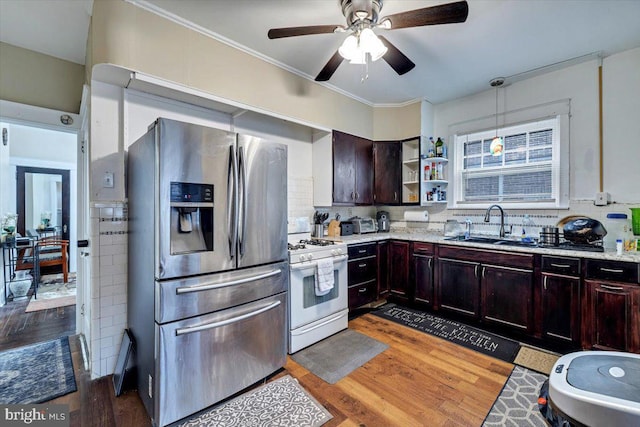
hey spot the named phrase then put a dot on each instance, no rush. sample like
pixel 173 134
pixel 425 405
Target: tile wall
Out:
pixel 109 284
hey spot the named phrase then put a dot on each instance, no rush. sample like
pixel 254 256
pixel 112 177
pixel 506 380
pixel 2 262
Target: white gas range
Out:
pixel 313 317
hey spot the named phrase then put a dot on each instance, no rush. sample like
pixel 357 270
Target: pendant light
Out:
pixel 496 146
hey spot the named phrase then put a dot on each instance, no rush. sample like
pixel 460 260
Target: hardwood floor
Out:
pixel 18 328
pixel 419 380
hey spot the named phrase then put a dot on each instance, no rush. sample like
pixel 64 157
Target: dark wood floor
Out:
pixel 18 328
pixel 419 380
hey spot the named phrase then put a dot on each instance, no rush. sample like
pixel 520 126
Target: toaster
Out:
pixel 364 225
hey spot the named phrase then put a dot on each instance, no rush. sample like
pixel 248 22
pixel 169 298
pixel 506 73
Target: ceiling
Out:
pixel 508 38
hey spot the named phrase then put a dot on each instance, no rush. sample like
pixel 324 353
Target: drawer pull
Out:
pixel 612 288
pixel 612 270
pixel 363 290
pixel 560 265
pixel 362 265
pixel 362 251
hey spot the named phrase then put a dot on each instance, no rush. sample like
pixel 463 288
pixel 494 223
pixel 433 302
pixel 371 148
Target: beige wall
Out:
pixel 125 35
pixel 396 122
pixel 33 78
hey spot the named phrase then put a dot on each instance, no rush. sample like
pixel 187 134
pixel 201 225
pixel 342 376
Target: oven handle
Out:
pixel 303 266
pixel 192 329
pixel 319 325
pixel 209 286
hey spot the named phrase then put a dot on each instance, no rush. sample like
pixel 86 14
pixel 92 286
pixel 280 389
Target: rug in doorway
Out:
pixel 458 333
pixel 536 359
pixel 53 293
pixel 517 404
pixel 337 356
pixel 36 373
pixel 282 402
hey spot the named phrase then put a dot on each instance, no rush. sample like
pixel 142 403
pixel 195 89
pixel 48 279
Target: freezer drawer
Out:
pixel 218 355
pixel 188 297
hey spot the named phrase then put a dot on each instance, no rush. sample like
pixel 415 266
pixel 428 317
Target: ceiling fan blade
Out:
pixel 278 33
pixel 396 59
pixel 449 13
pixel 330 68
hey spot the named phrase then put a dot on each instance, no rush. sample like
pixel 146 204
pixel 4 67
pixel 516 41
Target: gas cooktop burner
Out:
pixel 295 247
pixel 317 242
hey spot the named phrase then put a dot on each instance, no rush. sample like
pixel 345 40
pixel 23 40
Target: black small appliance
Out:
pixel 383 221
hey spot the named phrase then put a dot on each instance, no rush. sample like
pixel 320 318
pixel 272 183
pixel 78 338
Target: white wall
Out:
pixel 578 83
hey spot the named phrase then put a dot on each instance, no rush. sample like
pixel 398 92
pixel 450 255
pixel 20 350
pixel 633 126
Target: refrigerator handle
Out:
pixel 243 199
pixel 232 206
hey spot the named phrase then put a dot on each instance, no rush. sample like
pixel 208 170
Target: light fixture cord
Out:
pixel 496 111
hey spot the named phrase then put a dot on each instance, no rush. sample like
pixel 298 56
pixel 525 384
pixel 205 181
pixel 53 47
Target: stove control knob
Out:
pixel 334 252
pixel 310 257
pixel 303 258
pixel 339 251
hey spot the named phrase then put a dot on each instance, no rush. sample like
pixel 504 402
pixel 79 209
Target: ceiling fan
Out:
pixel 363 44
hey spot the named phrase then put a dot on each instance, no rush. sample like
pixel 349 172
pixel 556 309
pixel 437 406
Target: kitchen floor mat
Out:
pixel 337 356
pixel 517 404
pixel 458 333
pixel 36 373
pixel 282 402
pixel 536 359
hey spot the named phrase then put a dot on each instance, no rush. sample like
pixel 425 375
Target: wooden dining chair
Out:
pixel 52 251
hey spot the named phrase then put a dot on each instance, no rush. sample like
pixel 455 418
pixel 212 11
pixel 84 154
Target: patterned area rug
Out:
pixel 36 373
pixel 517 404
pixel 53 293
pixel 458 333
pixel 279 403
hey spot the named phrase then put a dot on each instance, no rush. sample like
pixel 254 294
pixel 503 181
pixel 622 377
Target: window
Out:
pixel 526 174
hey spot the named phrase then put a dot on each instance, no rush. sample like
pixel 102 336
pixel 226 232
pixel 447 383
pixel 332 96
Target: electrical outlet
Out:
pixel 602 199
pixel 107 180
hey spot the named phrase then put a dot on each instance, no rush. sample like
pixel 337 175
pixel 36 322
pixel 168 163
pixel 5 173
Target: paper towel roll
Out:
pixel 416 216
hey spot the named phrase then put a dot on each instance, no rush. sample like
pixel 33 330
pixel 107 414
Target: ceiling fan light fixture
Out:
pixel 355 48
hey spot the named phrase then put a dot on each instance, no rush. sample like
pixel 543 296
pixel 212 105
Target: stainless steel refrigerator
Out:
pixel 207 265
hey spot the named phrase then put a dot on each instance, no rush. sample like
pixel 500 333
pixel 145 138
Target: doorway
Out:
pixel 39 184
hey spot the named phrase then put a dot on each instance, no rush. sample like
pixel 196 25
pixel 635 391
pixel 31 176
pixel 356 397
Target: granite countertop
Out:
pixel 435 237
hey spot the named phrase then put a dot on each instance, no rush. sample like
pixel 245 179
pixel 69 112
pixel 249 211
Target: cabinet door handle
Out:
pixel 430 259
pixel 560 265
pixel 612 270
pixel 357 195
pixel 475 271
pixel 352 195
pixel 484 269
pixel 612 288
pixel 544 283
pixel 395 196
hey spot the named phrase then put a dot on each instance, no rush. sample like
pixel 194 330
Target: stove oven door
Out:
pixel 305 306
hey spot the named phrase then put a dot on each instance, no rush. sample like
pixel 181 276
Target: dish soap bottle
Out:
pixel 527 227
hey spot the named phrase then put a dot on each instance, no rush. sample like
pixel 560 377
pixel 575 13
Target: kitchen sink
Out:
pixel 493 241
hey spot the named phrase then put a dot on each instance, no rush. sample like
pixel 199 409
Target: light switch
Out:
pixel 107 180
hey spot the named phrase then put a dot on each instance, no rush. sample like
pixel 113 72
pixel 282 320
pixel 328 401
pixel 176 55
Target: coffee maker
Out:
pixel 383 221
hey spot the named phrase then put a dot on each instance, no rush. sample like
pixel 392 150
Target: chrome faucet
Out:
pixel 487 217
pixel 467 233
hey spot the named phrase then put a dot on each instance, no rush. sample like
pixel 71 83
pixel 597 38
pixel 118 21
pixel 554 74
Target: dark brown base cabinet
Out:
pixel 422 273
pixel 507 296
pixel 362 273
pixel 560 300
pixel 458 289
pixel 611 307
pixel 399 270
pixel 383 269
pixel 471 284
pixel 613 316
